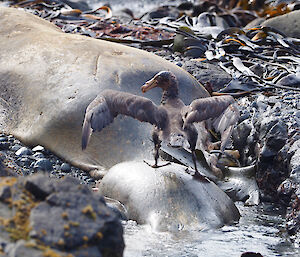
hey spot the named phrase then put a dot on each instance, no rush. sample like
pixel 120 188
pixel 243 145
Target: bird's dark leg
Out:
pixel 157 145
pixel 197 174
pixel 192 135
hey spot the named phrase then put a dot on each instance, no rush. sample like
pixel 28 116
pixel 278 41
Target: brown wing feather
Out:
pixel 225 123
pixel 111 103
pixel 206 108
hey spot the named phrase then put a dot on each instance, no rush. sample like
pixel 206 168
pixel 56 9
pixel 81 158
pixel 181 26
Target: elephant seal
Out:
pixel 48 78
pixel 167 198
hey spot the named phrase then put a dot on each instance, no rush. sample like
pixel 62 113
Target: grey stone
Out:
pixel 77 218
pixel 38 148
pixel 4 145
pixel 288 23
pixel 65 167
pixel 23 151
pixel 20 249
pixel 40 186
pixel 203 73
pixel 5 193
pixel 3 139
pixel 39 155
pixel 16 147
pixel 43 165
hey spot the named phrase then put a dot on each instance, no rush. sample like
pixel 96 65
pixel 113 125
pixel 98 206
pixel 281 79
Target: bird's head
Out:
pixel 163 79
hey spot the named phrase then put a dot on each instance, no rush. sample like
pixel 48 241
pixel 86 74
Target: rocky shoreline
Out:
pixel 267 136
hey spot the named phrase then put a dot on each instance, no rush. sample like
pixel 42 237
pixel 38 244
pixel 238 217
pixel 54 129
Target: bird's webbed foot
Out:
pixel 155 165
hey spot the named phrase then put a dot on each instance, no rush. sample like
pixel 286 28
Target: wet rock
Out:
pixel 38 155
pixel 202 72
pixel 40 186
pixel 274 140
pixel 3 139
pixel 5 193
pixel 78 221
pixel 4 145
pixel 295 166
pixel 43 165
pixel 65 167
pixel 20 249
pixel 38 148
pixel 16 147
pixel 23 151
pixel 288 24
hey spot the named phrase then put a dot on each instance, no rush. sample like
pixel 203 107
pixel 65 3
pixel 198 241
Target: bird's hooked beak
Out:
pixel 152 83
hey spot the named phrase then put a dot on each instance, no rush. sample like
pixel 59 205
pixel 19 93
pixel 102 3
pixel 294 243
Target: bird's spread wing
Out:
pixel 225 123
pixel 97 116
pixel 206 108
pixel 222 110
pixel 106 106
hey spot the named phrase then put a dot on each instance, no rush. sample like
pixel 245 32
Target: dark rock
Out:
pixel 38 148
pixel 24 248
pixel 87 252
pixel 40 186
pixel 287 23
pixel 16 147
pixel 4 145
pixel 203 73
pixel 23 151
pixel 5 193
pixel 20 249
pixel 43 165
pixel 65 167
pixel 24 161
pixel 75 219
pixel 3 139
pixel 39 155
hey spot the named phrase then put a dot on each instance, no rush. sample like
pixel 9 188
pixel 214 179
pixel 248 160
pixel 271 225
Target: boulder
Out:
pixel 288 23
pixel 49 217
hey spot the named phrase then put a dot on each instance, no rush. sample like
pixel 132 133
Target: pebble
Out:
pixel 23 151
pixel 43 165
pixel 4 145
pixel 38 155
pixel 3 139
pixel 65 167
pixel 38 148
pixel 16 147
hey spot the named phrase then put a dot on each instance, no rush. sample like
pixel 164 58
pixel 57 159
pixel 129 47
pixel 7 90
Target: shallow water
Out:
pixel 260 229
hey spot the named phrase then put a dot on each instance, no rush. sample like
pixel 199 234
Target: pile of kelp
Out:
pixel 257 58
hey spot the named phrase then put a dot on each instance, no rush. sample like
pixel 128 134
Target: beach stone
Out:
pixel 4 145
pixel 65 167
pixel 38 148
pixel 167 198
pixel 38 155
pixel 40 66
pixel 75 217
pixel 203 72
pixel 62 216
pixel 23 151
pixel 288 23
pixel 43 164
